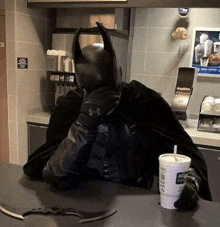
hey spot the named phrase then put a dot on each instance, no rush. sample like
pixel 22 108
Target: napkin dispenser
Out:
pixel 183 92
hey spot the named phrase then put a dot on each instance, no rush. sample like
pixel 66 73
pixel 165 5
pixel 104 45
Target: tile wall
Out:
pixel 28 90
pixel 154 60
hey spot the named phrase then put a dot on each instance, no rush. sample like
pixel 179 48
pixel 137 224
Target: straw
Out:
pixel 175 152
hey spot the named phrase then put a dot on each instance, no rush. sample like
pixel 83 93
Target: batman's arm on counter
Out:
pixel 64 114
pixel 68 165
pixel 66 111
pixel 154 113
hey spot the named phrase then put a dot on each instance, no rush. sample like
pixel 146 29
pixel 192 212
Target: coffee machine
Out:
pixel 183 91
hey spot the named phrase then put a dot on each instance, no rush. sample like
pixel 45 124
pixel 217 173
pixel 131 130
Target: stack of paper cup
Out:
pixel 172 169
pixel 217 105
pixel 207 104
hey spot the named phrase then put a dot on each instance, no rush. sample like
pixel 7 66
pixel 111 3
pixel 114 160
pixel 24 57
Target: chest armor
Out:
pixel 115 152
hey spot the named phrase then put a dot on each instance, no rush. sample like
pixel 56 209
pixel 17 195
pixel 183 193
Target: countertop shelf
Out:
pixel 38 117
pixel 200 137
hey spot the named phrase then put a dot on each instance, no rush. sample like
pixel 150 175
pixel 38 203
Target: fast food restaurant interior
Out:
pixel 156 46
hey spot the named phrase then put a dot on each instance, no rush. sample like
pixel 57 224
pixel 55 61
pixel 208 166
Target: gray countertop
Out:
pixel 198 137
pixel 135 206
pixel 38 117
pixel 202 138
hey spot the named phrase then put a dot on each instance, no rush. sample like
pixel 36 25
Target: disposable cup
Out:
pixel 204 61
pixel 171 178
pixel 217 105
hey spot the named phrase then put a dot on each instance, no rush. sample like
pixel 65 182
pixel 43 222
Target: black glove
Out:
pixel 69 163
pixel 98 105
pixel 189 196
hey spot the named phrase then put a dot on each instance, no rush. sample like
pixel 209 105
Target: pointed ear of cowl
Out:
pixel 76 49
pixel 110 49
pixel 106 40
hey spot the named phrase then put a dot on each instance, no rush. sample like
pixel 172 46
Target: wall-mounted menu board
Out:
pixel 206 52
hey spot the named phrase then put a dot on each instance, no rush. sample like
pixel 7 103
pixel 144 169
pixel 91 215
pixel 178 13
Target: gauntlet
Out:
pixel 189 196
pixel 98 105
pixel 69 163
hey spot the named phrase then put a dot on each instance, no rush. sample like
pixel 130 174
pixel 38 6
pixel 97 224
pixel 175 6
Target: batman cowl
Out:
pixel 95 65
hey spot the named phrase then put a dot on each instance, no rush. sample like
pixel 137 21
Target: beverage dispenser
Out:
pixel 61 72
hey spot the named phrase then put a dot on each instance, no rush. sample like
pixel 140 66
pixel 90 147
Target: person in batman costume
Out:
pixel 113 130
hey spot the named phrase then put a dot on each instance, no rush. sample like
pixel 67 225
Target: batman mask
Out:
pixel 95 65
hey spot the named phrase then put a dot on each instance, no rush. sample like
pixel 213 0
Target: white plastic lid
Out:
pixel 169 158
pixel 203 38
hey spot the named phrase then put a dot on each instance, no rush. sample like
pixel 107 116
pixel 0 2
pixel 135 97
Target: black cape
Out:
pixel 153 117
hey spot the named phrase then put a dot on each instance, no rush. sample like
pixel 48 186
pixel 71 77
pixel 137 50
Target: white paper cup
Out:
pixel 204 62
pixel 217 105
pixel 171 178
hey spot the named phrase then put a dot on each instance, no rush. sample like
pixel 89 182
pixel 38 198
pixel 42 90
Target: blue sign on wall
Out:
pixel 206 52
